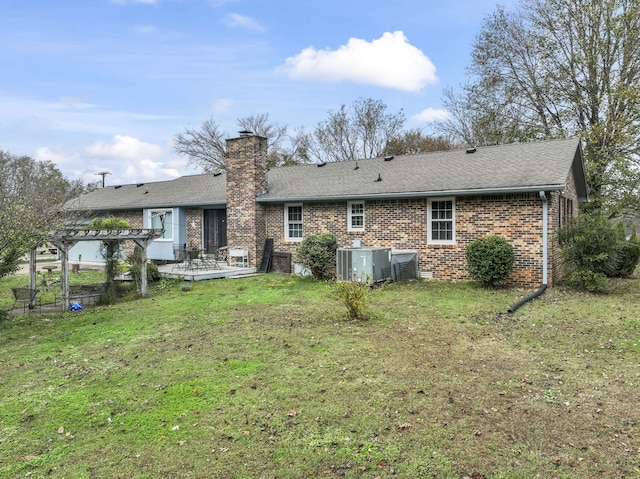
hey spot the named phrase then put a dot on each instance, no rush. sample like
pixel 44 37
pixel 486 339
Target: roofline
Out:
pixel 415 194
pixel 151 207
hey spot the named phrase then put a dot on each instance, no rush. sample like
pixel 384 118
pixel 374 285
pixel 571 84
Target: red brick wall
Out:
pixel 246 179
pixel 402 224
pixel 194 227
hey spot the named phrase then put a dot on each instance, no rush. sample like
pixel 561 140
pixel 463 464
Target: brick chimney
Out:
pixel 246 168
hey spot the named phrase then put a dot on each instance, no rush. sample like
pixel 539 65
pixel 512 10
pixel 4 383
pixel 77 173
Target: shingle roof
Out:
pixel 193 190
pixel 516 167
pixel 522 167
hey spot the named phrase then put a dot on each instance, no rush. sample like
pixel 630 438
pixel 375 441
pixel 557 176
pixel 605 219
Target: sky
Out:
pixel 105 85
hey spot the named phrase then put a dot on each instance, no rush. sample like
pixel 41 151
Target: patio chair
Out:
pixel 220 254
pixel 180 256
pixel 24 295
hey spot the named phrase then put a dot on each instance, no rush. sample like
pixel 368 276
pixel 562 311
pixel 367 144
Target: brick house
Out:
pixel 433 203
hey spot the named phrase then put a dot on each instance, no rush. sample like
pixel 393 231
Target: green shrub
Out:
pixel 135 268
pixel 490 260
pixel 354 296
pixel 318 254
pixel 624 259
pixel 587 243
pixel 593 249
pixel 589 280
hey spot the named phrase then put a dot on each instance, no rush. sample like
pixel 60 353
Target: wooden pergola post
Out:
pixel 33 278
pixel 65 239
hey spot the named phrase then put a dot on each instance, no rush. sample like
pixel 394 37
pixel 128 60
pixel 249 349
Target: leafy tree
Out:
pixel 31 195
pixel 362 130
pixel 558 68
pixel 415 141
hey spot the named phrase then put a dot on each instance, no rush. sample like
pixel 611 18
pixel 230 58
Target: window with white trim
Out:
pixel 355 221
pixel 293 222
pixel 441 224
pixel 162 219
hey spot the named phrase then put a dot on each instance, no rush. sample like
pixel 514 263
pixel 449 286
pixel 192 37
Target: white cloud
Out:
pixel 222 105
pixel 431 114
pixel 59 159
pixel 127 159
pixel 219 3
pixel 145 30
pixel 124 2
pixel 132 160
pixel 235 20
pixel 147 170
pixel 122 146
pixel 389 61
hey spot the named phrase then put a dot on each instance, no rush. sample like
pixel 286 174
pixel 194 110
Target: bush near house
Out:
pixel 594 249
pixel 490 260
pixel 317 252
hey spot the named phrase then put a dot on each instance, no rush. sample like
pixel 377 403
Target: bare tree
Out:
pixel 206 147
pixel 360 131
pixel 558 68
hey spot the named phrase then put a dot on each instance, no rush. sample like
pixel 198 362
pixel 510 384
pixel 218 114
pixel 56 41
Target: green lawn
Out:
pixel 263 377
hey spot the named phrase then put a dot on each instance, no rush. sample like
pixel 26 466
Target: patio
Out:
pixel 197 271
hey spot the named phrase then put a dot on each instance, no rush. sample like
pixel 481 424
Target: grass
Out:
pixel 264 377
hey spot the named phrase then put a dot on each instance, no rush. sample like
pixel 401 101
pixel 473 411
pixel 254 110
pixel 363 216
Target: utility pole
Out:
pixel 103 174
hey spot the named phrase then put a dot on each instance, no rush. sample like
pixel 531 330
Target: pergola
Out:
pixel 65 239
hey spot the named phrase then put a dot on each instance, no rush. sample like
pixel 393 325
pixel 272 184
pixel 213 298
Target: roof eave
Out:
pixel 147 207
pixel 415 194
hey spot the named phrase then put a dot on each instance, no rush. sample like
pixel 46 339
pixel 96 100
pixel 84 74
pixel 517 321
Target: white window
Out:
pixel 441 222
pixel 293 222
pixel 162 219
pixel 355 220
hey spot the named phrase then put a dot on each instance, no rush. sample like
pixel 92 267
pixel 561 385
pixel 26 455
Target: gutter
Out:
pixel 545 256
pixel 410 194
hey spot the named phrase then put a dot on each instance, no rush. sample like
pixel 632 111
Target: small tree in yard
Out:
pixel 111 252
pixel 318 254
pixel 354 296
pixel 490 260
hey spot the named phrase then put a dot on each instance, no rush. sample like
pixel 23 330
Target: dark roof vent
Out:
pixel 117 186
pixel 245 133
pixel 388 158
pixel 320 165
pixel 139 185
pixel 379 177
pixel 217 173
pixel 471 150
pixel 357 167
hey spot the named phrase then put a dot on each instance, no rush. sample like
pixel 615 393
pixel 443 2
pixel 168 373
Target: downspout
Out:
pixel 545 256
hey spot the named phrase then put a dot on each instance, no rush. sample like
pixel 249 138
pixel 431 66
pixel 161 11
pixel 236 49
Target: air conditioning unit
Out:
pixel 363 264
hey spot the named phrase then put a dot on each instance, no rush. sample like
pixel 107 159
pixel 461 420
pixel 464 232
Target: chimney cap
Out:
pixel 245 133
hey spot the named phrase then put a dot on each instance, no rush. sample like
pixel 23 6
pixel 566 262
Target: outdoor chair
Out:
pixel 180 256
pixel 23 295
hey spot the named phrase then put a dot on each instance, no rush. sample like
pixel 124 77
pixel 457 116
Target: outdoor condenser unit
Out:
pixel 363 264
